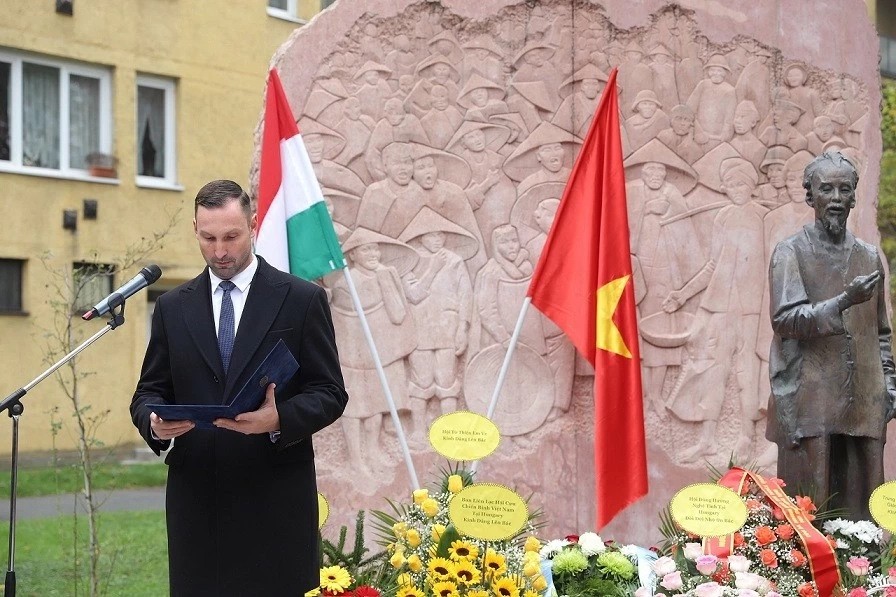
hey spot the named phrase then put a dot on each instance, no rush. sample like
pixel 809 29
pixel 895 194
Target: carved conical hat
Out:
pixel 345 205
pixel 776 154
pixel 717 60
pixel 333 141
pixel 477 81
pixel 445 36
pixel 371 65
pixel 496 135
pixel 537 93
pixel 678 171
pixel 484 42
pixel 392 252
pixel 523 161
pixel 529 48
pixel 523 212
pixel 707 167
pixel 660 49
pixel 457 239
pixel 433 60
pixel 646 95
pixel 451 167
pixel 589 71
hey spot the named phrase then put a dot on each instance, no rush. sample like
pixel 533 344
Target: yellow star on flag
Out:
pixel 608 336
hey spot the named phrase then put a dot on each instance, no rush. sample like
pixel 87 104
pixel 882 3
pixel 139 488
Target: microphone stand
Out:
pixel 13 404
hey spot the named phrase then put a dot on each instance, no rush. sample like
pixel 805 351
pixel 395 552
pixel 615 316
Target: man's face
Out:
pixel 399 167
pixel 425 172
pixel 744 121
pixel 795 189
pixel 366 256
pixel 508 245
pixel 833 195
pixel 544 214
pixel 824 130
pixel 433 241
pixel 394 112
pixel 535 57
pixel 795 77
pixel 590 88
pixel 372 77
pixel 474 140
pixel 551 156
pixel 315 146
pixel 225 238
pixel 646 109
pixel 716 74
pixel 479 96
pixel 441 71
pixel 653 175
pixel 737 189
pixel 775 174
pixel 439 97
pixel 681 124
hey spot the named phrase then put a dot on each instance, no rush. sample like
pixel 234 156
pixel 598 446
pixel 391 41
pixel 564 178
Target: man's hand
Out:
pixel 861 289
pixel 165 430
pixel 263 420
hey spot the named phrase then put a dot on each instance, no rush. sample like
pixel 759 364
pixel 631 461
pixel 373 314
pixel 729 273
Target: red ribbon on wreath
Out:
pixel 822 560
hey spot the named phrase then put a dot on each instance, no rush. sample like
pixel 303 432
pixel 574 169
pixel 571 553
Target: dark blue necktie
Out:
pixel 225 324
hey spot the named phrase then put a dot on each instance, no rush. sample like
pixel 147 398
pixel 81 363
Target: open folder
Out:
pixel 278 367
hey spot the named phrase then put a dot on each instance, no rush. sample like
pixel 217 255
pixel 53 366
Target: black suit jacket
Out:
pixel 242 510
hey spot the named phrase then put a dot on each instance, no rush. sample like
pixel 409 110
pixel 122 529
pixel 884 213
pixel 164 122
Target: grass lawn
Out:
pixel 67 478
pixel 134 560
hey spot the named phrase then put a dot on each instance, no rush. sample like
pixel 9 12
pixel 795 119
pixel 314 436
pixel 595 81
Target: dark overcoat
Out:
pixel 242 510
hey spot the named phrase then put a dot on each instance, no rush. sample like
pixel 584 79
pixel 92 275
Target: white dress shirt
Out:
pixel 243 281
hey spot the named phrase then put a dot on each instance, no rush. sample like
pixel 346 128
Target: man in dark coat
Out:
pixel 831 367
pixel 241 498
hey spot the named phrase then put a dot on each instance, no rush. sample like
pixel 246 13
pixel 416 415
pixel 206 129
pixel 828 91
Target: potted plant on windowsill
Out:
pixel 102 165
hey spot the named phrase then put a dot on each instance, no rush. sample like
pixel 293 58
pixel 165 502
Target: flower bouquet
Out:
pixel 433 559
pixel 583 565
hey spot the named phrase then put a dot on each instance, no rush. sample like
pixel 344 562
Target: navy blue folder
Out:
pixel 278 367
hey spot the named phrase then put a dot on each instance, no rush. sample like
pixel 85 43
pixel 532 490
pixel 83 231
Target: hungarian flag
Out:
pixel 295 231
pixel 583 283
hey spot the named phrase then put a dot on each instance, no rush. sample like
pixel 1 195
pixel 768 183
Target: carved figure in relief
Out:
pixel 395 189
pixel 322 144
pixel 835 107
pixel 405 87
pixel 679 137
pixel 370 44
pixel 807 98
pixel 783 131
pixel 372 90
pixel 356 128
pixel 714 102
pixel 647 121
pixel 376 264
pixel 822 136
pixel 773 193
pixel 545 156
pixel 401 59
pixel 442 302
pixel 754 82
pixel 435 70
pixel 634 74
pixel 726 323
pixel 832 374
pixel 398 126
pixel 535 85
pixel 580 93
pixel 663 69
pixel 664 241
pixel 747 144
pixel 483 56
pixel 442 120
pixel 482 99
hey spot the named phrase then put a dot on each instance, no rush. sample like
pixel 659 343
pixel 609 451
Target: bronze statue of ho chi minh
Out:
pixel 831 366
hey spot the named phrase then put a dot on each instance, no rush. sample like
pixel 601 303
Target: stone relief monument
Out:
pixel 443 133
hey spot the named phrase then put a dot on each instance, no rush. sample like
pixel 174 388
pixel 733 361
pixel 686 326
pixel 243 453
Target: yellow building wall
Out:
pixel 218 53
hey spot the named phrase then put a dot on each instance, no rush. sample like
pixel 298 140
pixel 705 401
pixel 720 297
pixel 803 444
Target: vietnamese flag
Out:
pixel 295 231
pixel 583 283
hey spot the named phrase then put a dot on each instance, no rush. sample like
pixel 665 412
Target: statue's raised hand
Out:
pixel 861 288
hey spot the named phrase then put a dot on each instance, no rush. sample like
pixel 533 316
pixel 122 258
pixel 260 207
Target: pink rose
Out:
pixel 747 580
pixel 672 581
pixel 692 551
pixel 642 592
pixel 663 566
pixel 709 589
pixel 860 566
pixel 858 592
pixel 706 565
pixel 892 574
pixel 747 593
pixel 737 563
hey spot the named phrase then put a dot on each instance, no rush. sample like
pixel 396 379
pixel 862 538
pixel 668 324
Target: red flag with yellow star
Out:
pixel 583 283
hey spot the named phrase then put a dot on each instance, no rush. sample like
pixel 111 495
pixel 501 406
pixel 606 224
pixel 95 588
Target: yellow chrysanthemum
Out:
pixel 445 588
pixel 466 572
pixel 532 544
pixel 440 569
pixel 414 563
pixel 335 579
pixel 399 529
pixel 531 569
pixel 313 592
pixel 405 580
pixel 463 550
pixel 455 483
pixel 413 537
pixel 436 532
pixel 430 507
pixel 539 583
pixel 420 495
pixel 505 587
pixel 409 591
pixel 495 564
pixel 397 559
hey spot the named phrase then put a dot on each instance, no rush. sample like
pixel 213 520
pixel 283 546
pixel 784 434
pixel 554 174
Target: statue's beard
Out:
pixel 833 224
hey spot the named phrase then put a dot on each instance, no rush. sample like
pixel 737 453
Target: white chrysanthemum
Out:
pixel 833 526
pixel 630 551
pixel 549 549
pixel 591 544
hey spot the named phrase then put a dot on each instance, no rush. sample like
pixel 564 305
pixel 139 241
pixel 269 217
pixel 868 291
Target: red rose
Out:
pixel 366 591
pixel 806 590
pixel 778 513
pixel 776 482
pixel 805 504
pixel 753 504
pixel 797 559
pixel 572 538
pixel 764 535
pixel 722 574
pixel 769 559
pixel 784 531
pixel 738 540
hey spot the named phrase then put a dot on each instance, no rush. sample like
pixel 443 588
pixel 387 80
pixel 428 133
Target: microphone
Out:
pixel 148 275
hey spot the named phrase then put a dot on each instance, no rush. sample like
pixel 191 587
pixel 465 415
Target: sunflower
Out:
pixel 445 588
pixel 531 593
pixel 466 572
pixel 478 593
pixel 410 591
pixel 463 550
pixel 440 568
pixel 495 563
pixel 505 587
pixel 335 579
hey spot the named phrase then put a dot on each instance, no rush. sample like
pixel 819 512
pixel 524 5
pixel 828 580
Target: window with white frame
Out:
pixel 54 114
pixel 155 130
pixel 284 9
pixel 91 283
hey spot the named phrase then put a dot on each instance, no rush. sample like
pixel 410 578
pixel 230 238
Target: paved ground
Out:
pixel 55 505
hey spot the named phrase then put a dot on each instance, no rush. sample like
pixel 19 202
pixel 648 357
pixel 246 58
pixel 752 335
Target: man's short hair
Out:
pixel 219 193
pixel 829 157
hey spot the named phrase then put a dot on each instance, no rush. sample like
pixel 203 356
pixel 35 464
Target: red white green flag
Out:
pixel 295 231
pixel 583 283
